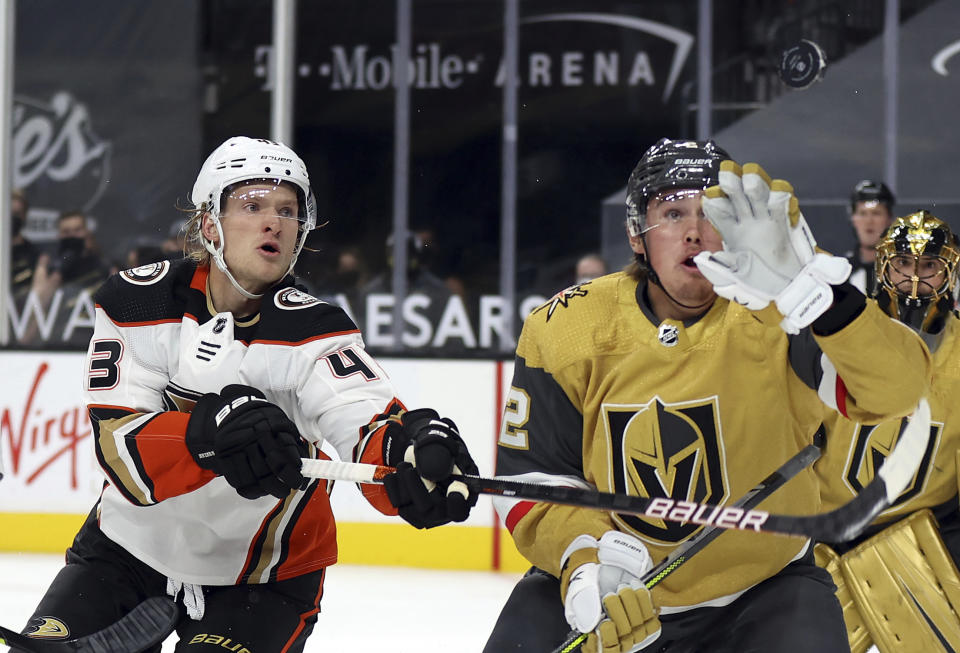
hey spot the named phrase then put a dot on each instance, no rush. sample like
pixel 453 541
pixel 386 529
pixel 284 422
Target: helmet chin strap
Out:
pixel 217 252
pixel 655 278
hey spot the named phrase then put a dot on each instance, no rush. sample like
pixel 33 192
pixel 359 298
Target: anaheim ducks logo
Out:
pixel 48 628
pixel 872 445
pixel 290 299
pixel 146 274
pixel 666 450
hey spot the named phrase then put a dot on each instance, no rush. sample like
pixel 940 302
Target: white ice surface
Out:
pixel 363 609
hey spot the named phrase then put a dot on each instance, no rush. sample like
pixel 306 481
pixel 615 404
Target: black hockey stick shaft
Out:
pixel 146 625
pixel 838 525
pixel 831 526
pixel 806 457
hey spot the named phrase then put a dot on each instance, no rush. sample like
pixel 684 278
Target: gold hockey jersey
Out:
pixel 855 451
pixel 603 397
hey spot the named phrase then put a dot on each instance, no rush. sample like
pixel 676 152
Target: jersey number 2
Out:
pixel 515 415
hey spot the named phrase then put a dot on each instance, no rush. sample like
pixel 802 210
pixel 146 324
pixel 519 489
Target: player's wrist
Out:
pixel 848 304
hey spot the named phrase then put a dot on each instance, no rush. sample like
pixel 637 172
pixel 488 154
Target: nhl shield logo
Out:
pixel 666 450
pixel 668 335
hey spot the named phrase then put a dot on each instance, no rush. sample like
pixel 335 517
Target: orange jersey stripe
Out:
pixel 373 454
pixel 166 459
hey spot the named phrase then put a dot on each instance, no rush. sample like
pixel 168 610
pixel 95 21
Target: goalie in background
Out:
pixel 898 582
pixel 691 374
pixel 208 379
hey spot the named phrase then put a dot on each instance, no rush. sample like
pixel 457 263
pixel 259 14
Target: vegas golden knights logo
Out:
pixel 871 446
pixel 666 450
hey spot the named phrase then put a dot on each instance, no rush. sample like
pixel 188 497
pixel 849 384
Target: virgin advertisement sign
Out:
pixel 45 436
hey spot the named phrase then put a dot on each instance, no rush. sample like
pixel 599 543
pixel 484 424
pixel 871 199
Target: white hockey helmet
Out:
pixel 241 159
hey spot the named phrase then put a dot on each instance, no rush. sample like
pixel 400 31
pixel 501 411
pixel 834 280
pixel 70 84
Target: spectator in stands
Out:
pixel 173 245
pixel 419 276
pixel 144 254
pixel 590 266
pixel 871 212
pixel 421 281
pixel 351 272
pixel 23 253
pixel 62 280
pixel 440 261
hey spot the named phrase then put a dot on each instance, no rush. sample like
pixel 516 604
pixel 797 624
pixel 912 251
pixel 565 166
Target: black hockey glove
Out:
pixel 427 451
pixel 249 441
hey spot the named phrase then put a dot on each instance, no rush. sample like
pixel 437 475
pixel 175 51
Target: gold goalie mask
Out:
pixel 916 269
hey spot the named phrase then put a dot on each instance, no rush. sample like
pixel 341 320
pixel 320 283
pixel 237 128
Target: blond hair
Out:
pixel 193 247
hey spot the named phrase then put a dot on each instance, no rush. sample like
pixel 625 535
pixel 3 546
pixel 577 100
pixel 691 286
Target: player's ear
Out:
pixel 636 244
pixel 208 229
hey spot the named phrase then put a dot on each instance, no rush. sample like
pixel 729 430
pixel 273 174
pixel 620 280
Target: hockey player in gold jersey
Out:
pixel 691 374
pixel 898 582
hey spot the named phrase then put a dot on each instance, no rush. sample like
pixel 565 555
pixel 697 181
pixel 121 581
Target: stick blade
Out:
pixel 146 625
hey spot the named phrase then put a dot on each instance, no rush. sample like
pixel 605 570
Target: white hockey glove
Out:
pixel 768 251
pixel 603 594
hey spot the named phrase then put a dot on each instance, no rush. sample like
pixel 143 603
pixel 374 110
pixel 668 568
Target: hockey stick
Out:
pixel 837 525
pixel 146 625
pixel 807 456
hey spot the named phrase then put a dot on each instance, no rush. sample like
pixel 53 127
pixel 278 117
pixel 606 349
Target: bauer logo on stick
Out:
pixel 802 65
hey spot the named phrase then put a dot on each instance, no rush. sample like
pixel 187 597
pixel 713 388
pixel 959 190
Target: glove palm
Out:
pixel 769 252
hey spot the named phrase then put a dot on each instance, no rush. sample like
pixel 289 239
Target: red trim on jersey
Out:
pixel 306 615
pixel 136 324
pixel 112 407
pixel 498 424
pixel 313 539
pixel 373 455
pixel 517 513
pixel 166 459
pixel 252 546
pixel 840 394
pixel 199 280
pixel 303 342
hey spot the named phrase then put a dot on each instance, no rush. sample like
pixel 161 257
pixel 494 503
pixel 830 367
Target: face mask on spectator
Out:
pixel 69 251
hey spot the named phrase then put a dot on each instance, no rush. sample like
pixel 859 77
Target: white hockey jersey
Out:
pixel 158 345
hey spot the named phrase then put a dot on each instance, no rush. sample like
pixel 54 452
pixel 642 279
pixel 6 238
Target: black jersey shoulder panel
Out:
pixel 156 292
pixel 289 314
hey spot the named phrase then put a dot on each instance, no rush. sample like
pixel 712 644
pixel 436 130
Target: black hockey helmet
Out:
pixel 670 164
pixel 922 295
pixel 872 191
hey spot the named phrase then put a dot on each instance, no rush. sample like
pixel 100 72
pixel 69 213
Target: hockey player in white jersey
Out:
pixel 207 380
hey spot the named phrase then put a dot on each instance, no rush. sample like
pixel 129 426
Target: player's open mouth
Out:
pixel 269 248
pixel 689 262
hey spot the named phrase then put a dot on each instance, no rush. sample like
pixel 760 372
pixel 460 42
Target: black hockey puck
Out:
pixel 802 64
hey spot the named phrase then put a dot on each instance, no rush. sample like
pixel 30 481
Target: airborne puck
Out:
pixel 802 64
